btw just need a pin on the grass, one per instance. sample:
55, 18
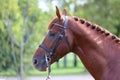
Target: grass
8, 73
60, 71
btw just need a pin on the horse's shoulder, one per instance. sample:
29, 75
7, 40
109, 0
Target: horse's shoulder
112, 71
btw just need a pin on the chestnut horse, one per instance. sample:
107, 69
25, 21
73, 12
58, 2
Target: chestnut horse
98, 49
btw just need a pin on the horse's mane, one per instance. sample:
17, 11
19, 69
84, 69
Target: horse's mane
98, 28
91, 25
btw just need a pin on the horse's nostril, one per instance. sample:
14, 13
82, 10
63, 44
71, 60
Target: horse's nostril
35, 61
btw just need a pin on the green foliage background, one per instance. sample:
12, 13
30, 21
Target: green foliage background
23, 26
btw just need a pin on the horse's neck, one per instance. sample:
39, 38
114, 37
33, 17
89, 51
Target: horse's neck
93, 48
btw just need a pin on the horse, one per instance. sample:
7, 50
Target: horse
98, 49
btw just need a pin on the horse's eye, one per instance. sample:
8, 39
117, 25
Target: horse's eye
52, 34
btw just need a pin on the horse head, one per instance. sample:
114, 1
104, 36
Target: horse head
57, 43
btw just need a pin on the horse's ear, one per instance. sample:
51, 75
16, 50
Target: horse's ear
58, 13
64, 12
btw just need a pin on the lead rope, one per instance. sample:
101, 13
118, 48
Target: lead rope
48, 60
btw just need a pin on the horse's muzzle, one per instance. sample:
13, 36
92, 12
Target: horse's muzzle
39, 64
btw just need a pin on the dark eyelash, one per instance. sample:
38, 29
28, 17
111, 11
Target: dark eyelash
52, 34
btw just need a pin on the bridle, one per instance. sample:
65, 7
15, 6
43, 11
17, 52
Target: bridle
50, 52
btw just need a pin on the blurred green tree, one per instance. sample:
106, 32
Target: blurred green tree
20, 28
